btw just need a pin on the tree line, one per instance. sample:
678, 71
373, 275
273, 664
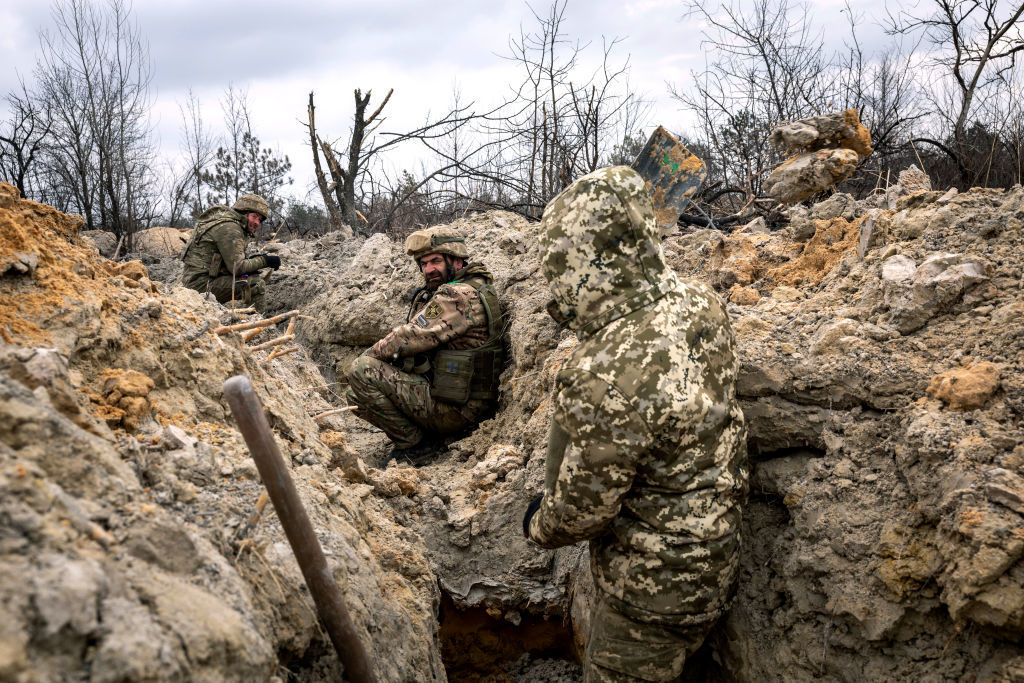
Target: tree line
944, 93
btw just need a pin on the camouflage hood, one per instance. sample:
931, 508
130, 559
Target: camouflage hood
601, 251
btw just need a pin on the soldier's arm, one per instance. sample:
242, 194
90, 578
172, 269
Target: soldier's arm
231, 244
603, 437
450, 313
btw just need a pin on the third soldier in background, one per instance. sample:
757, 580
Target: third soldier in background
646, 454
438, 373
215, 260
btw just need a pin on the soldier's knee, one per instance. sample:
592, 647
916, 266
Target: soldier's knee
362, 374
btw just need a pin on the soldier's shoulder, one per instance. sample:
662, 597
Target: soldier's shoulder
456, 290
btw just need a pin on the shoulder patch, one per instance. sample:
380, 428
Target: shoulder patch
433, 310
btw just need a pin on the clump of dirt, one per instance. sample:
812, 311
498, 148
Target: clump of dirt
124, 399
967, 388
833, 239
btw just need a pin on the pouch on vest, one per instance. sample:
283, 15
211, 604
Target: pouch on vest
453, 374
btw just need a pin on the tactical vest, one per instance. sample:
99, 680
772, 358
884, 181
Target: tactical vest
460, 375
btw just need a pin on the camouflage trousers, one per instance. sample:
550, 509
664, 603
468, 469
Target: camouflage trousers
248, 292
622, 649
400, 403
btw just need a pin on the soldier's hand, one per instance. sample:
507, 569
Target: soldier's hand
272, 260
531, 510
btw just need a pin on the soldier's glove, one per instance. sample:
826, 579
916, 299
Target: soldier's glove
272, 260
531, 510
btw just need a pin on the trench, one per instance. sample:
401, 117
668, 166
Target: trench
477, 646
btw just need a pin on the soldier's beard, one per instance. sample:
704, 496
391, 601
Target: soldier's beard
435, 279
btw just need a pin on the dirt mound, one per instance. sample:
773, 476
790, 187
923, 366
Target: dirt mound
882, 357
129, 544
869, 494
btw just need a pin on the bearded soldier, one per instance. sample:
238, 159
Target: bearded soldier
215, 259
438, 373
646, 455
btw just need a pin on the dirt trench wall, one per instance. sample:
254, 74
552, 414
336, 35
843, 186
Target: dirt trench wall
128, 550
881, 379
881, 362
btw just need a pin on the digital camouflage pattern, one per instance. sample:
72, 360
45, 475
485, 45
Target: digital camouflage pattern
623, 649
647, 456
220, 235
399, 402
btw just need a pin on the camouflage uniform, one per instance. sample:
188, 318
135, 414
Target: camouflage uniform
647, 454
400, 401
216, 255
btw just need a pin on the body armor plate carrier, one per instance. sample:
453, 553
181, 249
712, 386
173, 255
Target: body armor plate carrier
460, 375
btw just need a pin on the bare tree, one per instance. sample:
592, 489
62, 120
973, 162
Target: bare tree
23, 143
770, 67
94, 78
353, 185
975, 42
198, 148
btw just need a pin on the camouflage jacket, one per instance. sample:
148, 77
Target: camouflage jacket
219, 235
647, 452
453, 317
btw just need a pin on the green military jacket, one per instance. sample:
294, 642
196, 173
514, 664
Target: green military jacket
217, 248
647, 453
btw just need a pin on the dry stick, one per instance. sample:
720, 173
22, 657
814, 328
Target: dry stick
246, 336
253, 325
117, 250
290, 332
243, 311
333, 411
278, 352
250, 524
273, 342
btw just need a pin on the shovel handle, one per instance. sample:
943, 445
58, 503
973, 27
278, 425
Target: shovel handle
330, 604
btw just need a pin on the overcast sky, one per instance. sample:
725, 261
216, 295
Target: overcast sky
280, 51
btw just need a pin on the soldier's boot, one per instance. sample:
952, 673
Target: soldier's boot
377, 390
258, 291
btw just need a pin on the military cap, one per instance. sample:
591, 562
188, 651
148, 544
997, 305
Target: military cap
437, 240
252, 202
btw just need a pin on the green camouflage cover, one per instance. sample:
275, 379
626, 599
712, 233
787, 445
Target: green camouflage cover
648, 452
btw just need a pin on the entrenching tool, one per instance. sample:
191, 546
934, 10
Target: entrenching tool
330, 604
672, 175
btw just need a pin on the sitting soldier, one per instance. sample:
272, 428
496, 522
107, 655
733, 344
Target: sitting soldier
215, 259
438, 373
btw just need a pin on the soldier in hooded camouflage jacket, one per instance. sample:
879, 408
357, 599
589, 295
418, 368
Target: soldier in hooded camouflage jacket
215, 259
646, 455
398, 384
